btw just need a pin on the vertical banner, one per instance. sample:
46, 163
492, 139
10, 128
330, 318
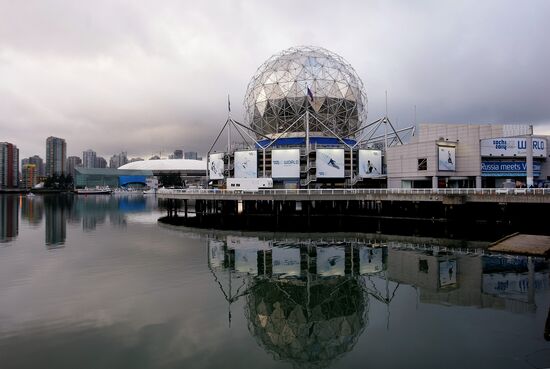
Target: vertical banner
447, 157
216, 166
246, 164
330, 163
370, 163
285, 163
447, 273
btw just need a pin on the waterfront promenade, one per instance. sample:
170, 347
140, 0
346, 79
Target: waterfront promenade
443, 195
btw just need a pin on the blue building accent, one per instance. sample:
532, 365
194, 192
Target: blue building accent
301, 141
126, 180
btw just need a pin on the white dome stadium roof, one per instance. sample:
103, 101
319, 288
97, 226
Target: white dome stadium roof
166, 165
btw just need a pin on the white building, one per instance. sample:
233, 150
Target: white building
466, 155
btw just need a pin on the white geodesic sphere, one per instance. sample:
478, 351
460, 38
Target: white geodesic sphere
277, 95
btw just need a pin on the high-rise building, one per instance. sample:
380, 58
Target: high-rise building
36, 160
29, 176
191, 155
56, 156
178, 154
9, 165
118, 160
89, 158
73, 162
100, 162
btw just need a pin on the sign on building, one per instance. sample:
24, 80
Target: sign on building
330, 163
370, 163
246, 164
216, 166
285, 163
512, 146
508, 169
446, 158
286, 261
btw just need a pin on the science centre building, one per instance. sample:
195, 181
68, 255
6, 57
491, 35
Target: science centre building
305, 109
306, 127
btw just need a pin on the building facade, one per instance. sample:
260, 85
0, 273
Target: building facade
466, 156
38, 162
29, 176
72, 163
100, 162
118, 160
89, 158
56, 156
9, 165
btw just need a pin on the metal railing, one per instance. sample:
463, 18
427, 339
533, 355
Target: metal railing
372, 191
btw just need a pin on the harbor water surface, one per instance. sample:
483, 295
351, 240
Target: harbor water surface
97, 282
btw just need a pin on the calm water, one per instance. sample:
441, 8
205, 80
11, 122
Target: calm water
95, 282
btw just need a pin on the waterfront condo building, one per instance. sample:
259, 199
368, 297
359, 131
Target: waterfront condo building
56, 156
9, 165
89, 158
29, 176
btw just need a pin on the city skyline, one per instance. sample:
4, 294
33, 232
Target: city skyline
144, 78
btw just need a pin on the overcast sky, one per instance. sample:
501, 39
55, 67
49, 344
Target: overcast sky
144, 76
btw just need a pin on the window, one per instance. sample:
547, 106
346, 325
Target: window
422, 164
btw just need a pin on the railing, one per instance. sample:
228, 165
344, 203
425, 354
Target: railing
371, 191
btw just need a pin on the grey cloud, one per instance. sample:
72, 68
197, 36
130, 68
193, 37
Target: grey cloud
144, 77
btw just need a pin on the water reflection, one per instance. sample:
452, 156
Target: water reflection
307, 302
9, 215
91, 212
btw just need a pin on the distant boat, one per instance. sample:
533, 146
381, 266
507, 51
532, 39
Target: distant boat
93, 191
30, 194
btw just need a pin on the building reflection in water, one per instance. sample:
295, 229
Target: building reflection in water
56, 209
32, 210
9, 217
469, 278
308, 302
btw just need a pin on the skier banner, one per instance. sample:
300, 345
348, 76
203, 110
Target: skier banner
370, 163
330, 163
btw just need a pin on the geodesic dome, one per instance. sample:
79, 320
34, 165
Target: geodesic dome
278, 95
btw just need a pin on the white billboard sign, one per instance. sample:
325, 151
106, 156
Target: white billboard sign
285, 163
447, 273
330, 163
216, 253
286, 261
447, 158
331, 261
371, 260
370, 163
513, 146
246, 164
216, 166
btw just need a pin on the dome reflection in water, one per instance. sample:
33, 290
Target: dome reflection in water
306, 303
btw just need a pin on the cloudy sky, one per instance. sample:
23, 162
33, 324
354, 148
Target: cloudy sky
143, 76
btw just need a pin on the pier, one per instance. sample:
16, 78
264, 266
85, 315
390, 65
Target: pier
486, 214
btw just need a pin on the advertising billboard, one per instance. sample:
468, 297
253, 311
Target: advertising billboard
331, 261
512, 146
246, 164
508, 169
286, 261
447, 273
216, 166
371, 260
285, 163
370, 163
216, 253
446, 158
330, 163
